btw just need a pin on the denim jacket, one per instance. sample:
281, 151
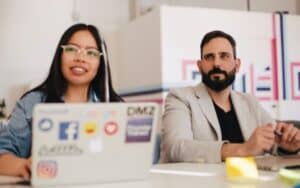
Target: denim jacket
16, 136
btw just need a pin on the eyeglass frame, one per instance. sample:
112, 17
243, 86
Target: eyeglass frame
81, 49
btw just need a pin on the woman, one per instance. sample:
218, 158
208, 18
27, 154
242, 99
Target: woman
77, 74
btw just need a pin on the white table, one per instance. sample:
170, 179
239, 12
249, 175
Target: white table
188, 175
183, 175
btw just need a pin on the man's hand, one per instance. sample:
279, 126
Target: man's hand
288, 136
261, 140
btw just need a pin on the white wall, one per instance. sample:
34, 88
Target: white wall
227, 4
274, 5
30, 31
142, 6
255, 5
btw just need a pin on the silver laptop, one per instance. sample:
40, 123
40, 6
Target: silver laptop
274, 163
92, 143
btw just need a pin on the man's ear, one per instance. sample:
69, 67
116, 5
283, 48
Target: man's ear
237, 64
199, 62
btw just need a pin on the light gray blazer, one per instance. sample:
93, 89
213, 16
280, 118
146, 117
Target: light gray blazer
190, 126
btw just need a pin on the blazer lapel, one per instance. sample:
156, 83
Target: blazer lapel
242, 112
208, 108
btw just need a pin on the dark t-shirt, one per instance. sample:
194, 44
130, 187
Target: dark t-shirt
230, 127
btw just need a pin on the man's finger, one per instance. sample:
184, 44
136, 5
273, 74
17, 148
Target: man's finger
279, 127
292, 134
297, 137
267, 144
269, 136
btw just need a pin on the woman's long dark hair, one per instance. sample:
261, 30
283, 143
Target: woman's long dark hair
55, 84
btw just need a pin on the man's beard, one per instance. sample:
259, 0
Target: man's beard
218, 84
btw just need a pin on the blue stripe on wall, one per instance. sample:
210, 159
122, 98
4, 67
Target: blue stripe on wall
263, 88
298, 81
283, 63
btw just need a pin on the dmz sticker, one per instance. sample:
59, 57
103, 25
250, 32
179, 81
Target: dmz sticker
69, 130
47, 169
45, 124
139, 124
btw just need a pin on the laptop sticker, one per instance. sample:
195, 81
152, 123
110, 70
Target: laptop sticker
68, 130
93, 114
60, 150
90, 128
45, 124
111, 128
139, 124
95, 145
47, 169
139, 129
109, 115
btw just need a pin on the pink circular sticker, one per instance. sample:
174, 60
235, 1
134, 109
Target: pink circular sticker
111, 128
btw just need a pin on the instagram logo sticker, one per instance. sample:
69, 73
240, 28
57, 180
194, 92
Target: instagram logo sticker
47, 169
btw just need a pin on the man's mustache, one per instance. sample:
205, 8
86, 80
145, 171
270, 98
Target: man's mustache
216, 70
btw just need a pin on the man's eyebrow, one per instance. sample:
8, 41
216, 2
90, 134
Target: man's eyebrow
208, 54
224, 52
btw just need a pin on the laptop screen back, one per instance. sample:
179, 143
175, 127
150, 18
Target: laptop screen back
92, 143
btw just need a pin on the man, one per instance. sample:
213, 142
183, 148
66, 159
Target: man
210, 121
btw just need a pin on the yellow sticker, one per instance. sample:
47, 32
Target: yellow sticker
90, 128
241, 168
289, 176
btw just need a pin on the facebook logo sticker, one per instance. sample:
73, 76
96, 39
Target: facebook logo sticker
68, 130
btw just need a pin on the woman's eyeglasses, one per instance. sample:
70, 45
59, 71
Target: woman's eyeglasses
90, 53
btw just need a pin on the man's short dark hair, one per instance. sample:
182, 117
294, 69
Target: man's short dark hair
218, 34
